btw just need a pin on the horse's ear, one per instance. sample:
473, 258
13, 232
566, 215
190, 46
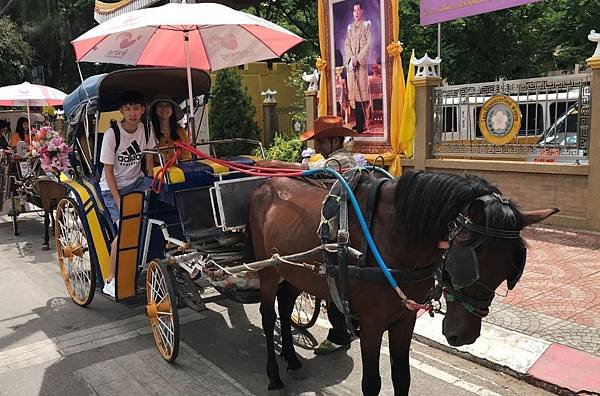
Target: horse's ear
475, 211
535, 216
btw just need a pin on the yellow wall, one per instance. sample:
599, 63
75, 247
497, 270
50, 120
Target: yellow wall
257, 77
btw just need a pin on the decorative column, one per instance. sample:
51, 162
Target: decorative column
310, 96
269, 115
593, 203
426, 79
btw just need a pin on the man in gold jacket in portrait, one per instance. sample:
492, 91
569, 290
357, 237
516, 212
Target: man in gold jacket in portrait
358, 50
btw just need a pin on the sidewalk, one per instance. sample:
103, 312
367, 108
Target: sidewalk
546, 330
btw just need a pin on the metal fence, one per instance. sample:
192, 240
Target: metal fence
555, 119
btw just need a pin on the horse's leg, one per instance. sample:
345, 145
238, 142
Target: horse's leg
286, 296
52, 222
370, 345
269, 279
46, 244
400, 335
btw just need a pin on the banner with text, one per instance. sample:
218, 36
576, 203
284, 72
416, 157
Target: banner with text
434, 11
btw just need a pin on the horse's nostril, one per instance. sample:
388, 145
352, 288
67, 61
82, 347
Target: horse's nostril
453, 340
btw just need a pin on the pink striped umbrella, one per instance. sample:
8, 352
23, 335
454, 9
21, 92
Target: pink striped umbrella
204, 36
27, 94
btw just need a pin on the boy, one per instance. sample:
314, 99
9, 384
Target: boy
122, 172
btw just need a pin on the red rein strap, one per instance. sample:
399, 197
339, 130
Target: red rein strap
243, 168
158, 179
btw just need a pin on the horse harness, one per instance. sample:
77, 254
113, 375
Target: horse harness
334, 226
451, 273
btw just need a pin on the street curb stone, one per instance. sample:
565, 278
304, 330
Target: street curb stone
557, 368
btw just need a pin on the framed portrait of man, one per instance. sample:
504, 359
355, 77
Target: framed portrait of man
359, 67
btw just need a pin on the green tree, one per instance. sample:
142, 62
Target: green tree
49, 26
15, 54
231, 114
521, 42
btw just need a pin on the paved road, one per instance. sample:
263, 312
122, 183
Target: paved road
50, 346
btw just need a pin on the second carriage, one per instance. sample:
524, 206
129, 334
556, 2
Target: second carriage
172, 243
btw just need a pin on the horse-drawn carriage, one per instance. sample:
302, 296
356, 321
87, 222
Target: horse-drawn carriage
174, 241
168, 240
25, 188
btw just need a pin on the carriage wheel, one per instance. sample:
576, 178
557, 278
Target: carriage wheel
162, 309
306, 311
72, 252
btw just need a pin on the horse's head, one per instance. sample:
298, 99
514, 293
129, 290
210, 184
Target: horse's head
484, 249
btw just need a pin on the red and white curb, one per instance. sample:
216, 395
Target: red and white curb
552, 365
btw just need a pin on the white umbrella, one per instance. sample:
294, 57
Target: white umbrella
27, 94
205, 36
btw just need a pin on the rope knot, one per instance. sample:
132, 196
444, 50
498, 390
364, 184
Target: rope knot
394, 49
321, 64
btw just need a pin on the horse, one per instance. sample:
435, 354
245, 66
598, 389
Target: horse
410, 227
47, 195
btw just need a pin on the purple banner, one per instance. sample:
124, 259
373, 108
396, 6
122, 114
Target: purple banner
434, 11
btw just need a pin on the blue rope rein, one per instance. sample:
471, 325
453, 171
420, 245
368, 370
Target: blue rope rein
408, 303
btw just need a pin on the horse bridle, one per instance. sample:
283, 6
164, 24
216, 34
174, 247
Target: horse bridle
460, 265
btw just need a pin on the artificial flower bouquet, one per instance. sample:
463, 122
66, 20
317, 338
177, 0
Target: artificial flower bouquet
53, 152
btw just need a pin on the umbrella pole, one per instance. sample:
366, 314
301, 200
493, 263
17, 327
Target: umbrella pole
192, 124
28, 121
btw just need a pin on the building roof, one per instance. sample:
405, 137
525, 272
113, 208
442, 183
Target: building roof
103, 10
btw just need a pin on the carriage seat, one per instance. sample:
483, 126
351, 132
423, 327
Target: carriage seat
196, 174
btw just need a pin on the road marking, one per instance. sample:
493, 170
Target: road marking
434, 371
141, 373
58, 348
451, 379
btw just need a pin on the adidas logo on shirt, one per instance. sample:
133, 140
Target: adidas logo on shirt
131, 156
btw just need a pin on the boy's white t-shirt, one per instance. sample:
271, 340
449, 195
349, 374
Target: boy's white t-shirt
127, 159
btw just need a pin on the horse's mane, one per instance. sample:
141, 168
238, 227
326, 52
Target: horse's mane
425, 202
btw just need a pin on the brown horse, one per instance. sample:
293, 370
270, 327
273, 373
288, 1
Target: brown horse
48, 194
410, 229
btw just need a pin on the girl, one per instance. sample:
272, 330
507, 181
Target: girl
164, 114
21, 133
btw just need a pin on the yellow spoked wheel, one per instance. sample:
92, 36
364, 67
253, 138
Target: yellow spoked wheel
162, 310
306, 311
72, 253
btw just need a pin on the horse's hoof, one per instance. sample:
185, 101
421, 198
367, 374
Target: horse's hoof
45, 247
278, 392
297, 374
276, 386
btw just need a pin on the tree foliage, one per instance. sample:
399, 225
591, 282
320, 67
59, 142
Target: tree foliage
524, 41
15, 54
285, 148
49, 26
520, 42
231, 114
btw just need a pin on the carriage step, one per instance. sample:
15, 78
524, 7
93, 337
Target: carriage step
204, 235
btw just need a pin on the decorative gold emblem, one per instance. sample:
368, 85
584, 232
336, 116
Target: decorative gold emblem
500, 119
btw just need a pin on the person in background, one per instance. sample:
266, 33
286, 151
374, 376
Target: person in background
164, 116
4, 131
328, 135
21, 134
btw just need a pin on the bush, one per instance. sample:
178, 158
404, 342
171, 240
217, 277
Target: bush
231, 114
285, 149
